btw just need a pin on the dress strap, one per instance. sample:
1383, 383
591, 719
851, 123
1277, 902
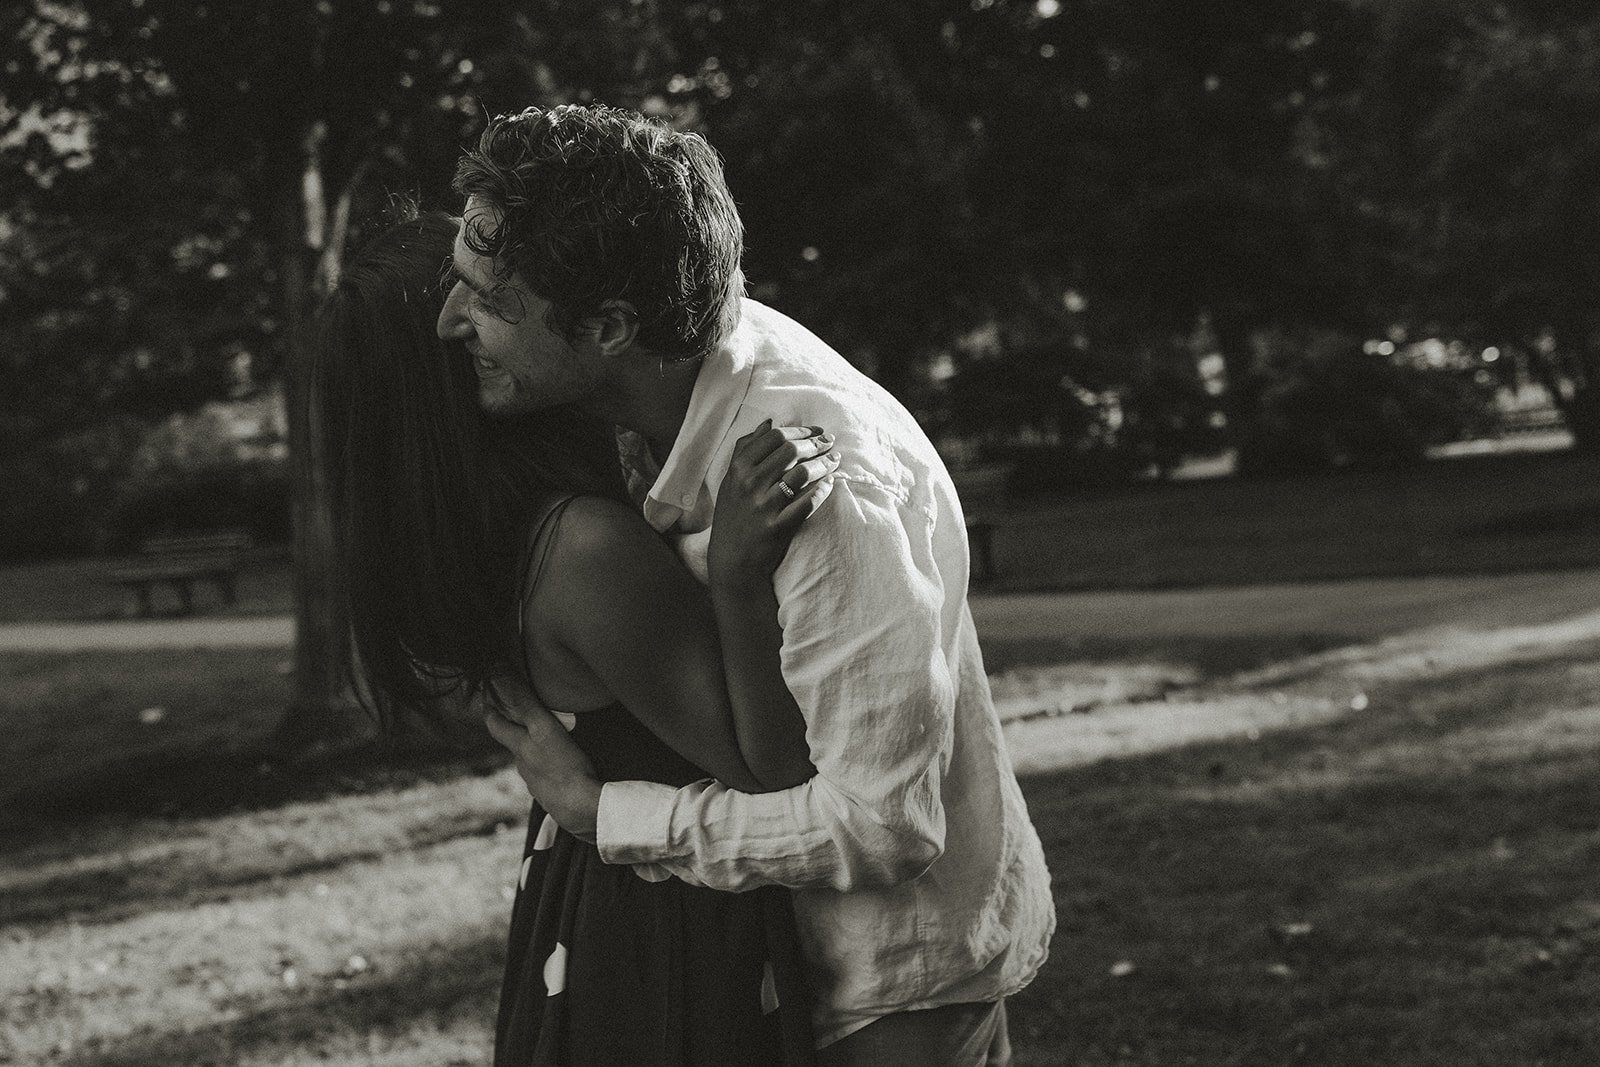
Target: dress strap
530, 566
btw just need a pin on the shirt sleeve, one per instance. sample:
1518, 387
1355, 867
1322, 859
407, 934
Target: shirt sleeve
861, 603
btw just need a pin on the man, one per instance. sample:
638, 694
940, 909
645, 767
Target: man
598, 265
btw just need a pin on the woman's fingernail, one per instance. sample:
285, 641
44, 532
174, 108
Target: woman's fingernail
833, 457
825, 438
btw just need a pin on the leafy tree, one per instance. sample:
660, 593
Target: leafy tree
1176, 163
849, 168
250, 135
1089, 178
910, 171
1490, 116
204, 166
1324, 401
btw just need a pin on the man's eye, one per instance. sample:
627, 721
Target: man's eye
496, 298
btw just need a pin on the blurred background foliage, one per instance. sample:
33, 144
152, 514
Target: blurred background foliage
1088, 237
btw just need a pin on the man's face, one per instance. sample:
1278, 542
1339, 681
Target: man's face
522, 364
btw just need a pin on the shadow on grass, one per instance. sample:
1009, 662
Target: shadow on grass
1467, 515
1579, 518
196, 784
1313, 898
460, 981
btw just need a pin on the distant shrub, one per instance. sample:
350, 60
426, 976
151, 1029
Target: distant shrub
1067, 419
40, 514
1318, 402
224, 465
53, 491
1027, 413
255, 498
1167, 417
1047, 468
1582, 417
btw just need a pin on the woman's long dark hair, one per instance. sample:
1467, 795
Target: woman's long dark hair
431, 496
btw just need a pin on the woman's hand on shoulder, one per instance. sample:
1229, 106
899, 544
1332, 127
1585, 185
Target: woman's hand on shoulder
771, 487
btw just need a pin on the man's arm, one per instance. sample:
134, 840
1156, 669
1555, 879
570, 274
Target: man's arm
861, 602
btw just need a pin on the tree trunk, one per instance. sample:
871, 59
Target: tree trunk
323, 708
1578, 366
1582, 411
1238, 399
1582, 416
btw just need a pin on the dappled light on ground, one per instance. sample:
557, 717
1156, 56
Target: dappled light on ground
1410, 883
1265, 849
1084, 713
66, 875
318, 922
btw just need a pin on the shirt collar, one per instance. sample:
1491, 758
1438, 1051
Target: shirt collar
719, 392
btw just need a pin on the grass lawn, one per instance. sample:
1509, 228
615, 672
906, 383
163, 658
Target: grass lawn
175, 733
74, 719
1469, 514
1536, 511
1410, 884
1414, 885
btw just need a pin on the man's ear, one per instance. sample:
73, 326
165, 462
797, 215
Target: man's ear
616, 328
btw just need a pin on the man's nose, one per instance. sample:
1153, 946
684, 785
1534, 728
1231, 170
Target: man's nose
454, 324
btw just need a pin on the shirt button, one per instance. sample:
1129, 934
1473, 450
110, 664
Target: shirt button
688, 499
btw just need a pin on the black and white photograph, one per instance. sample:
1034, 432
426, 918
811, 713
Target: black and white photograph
799, 533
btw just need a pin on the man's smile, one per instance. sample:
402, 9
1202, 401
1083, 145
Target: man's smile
484, 364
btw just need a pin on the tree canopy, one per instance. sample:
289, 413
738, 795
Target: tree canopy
1490, 123
973, 199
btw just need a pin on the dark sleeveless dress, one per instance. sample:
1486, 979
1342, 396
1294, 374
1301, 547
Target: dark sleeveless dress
613, 965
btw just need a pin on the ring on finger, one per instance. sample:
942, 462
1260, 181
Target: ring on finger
784, 487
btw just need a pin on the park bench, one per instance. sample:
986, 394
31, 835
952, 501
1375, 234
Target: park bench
181, 561
982, 491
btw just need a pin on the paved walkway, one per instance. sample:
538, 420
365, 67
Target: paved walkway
270, 631
1359, 610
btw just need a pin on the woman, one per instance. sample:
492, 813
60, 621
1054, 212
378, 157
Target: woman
470, 546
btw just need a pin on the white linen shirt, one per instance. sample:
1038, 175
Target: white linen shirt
918, 878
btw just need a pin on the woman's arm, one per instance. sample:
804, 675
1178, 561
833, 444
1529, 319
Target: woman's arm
767, 722
773, 484
615, 598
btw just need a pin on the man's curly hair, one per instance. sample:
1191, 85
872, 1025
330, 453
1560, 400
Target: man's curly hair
600, 204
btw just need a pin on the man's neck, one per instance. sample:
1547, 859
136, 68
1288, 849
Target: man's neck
652, 399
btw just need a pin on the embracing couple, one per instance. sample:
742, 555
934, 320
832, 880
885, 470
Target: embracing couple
712, 581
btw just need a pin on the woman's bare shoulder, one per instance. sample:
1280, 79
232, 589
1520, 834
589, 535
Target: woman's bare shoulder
600, 552
597, 531
609, 580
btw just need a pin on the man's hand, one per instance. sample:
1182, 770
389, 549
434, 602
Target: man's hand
556, 771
